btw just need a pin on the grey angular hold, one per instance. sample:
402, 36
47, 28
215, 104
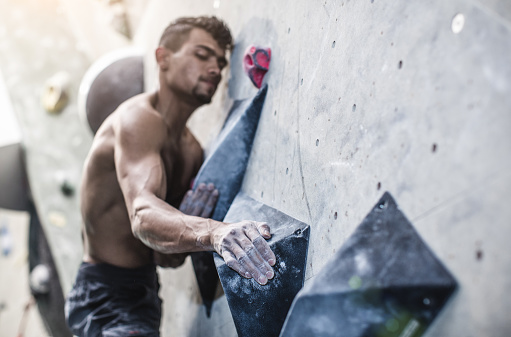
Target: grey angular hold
384, 281
261, 310
225, 167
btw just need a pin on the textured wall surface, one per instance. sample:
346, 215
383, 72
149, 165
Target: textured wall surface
364, 97
368, 96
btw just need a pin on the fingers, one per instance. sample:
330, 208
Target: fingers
260, 243
185, 204
249, 254
232, 262
264, 229
210, 203
200, 202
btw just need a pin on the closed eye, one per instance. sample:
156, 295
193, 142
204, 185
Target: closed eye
202, 56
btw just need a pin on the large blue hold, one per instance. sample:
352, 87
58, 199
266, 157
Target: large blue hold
225, 167
226, 164
383, 282
261, 310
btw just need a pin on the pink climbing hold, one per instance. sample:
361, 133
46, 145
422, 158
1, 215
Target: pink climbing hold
256, 63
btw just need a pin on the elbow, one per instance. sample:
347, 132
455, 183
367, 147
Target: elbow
144, 226
138, 221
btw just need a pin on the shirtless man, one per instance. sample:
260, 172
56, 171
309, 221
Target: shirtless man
138, 171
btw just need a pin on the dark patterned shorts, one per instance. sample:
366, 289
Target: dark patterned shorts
111, 301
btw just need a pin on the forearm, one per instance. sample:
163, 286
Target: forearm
167, 230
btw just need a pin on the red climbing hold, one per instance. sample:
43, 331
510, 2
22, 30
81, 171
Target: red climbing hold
256, 63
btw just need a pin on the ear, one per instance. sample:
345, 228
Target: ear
162, 58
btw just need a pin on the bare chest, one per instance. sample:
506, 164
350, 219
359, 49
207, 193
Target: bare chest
181, 166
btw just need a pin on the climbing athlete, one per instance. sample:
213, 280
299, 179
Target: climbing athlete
136, 209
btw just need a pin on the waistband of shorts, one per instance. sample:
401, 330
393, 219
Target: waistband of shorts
108, 273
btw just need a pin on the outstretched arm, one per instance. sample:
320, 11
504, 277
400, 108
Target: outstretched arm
138, 143
200, 202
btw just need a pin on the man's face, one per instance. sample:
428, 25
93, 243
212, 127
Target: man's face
194, 70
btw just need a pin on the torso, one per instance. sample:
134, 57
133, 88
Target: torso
108, 237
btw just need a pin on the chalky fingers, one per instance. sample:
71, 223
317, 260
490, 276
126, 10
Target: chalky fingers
232, 262
260, 243
249, 258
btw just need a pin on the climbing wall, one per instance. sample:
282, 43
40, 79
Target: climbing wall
409, 97
364, 97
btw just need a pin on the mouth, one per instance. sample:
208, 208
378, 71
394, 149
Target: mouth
213, 82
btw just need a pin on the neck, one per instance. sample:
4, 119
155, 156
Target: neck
174, 109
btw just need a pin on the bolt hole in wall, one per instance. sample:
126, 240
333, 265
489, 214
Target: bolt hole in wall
479, 255
433, 148
400, 65
354, 107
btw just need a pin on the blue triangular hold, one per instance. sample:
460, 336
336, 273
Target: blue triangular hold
225, 167
383, 282
261, 310
226, 164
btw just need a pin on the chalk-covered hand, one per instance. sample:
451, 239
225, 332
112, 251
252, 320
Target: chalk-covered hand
244, 249
200, 202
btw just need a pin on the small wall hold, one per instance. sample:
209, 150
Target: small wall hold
256, 64
119, 19
458, 22
67, 189
6, 241
39, 279
57, 219
55, 93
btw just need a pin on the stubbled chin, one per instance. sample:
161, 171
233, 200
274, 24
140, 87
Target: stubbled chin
204, 92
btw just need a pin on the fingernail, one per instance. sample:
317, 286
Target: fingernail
211, 187
247, 274
262, 280
271, 262
267, 233
269, 275
215, 192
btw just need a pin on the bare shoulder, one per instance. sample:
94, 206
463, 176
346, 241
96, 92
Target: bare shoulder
137, 119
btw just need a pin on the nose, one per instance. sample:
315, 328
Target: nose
214, 69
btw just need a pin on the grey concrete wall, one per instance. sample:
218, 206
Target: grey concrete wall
372, 96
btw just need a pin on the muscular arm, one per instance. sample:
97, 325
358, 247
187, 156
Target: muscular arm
139, 140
